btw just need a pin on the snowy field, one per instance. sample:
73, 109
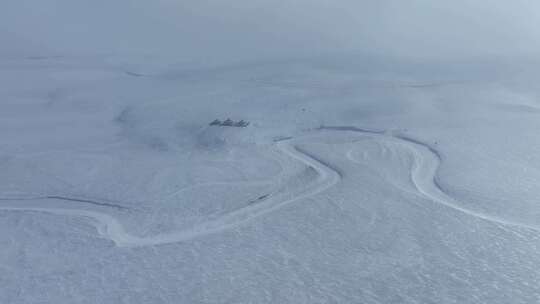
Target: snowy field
302, 152
353, 183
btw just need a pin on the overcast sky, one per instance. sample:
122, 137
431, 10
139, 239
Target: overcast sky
266, 28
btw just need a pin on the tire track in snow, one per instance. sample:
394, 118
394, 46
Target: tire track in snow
110, 228
67, 198
423, 175
427, 161
231, 183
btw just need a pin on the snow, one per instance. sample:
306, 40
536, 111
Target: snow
358, 180
346, 187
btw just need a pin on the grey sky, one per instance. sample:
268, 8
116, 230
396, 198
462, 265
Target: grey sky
253, 28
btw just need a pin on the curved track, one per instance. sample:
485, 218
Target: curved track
423, 176
110, 228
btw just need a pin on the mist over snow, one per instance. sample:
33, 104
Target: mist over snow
287, 151
217, 30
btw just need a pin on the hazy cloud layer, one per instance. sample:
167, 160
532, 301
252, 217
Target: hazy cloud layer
266, 28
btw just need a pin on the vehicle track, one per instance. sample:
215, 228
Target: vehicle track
69, 199
427, 161
110, 228
423, 176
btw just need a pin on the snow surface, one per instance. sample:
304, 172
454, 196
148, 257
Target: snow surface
355, 182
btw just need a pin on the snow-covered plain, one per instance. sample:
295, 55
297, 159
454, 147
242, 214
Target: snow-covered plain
355, 182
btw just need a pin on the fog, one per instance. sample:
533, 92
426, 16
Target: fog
255, 29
